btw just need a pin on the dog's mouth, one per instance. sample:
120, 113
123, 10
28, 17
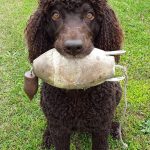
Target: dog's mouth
74, 48
77, 54
74, 42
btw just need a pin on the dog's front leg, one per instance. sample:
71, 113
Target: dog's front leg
61, 138
100, 141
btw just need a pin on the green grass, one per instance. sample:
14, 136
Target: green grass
22, 122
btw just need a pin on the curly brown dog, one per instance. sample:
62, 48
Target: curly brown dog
74, 27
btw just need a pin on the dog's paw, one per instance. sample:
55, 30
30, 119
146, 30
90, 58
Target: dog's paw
47, 142
115, 130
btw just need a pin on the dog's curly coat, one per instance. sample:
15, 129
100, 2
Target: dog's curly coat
89, 110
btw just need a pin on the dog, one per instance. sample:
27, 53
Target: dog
74, 27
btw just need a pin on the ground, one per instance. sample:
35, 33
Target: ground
22, 122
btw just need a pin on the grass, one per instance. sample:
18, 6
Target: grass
22, 122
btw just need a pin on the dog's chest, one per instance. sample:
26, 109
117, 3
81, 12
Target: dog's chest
74, 105
78, 109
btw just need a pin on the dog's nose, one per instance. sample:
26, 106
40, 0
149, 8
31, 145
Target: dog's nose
73, 46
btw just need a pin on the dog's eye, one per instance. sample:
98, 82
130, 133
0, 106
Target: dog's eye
56, 16
90, 16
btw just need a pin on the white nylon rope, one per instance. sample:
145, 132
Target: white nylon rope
125, 146
124, 69
125, 78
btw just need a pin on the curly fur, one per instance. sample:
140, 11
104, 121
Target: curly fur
89, 110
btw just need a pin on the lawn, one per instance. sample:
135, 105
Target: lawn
22, 122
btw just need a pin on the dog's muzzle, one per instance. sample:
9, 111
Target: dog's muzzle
75, 41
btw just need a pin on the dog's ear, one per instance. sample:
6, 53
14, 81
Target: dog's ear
110, 36
36, 36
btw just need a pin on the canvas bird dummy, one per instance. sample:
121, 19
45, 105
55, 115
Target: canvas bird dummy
72, 73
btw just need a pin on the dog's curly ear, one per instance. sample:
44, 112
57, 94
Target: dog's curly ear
110, 36
36, 36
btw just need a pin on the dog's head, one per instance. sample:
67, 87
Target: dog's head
73, 27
